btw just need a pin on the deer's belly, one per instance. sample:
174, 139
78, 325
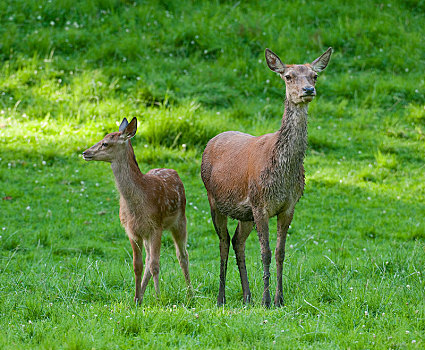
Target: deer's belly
245, 213
273, 201
240, 211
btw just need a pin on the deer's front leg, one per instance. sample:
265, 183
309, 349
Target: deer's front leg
283, 222
262, 221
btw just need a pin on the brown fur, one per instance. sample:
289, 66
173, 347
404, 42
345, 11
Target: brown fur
149, 204
254, 178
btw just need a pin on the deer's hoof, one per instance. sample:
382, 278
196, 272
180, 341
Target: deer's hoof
221, 300
278, 301
247, 299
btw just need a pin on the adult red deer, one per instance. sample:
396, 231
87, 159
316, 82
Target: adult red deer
149, 204
252, 179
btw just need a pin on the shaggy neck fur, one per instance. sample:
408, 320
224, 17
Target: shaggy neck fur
128, 176
291, 143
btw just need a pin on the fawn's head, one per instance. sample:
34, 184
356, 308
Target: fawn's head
300, 79
113, 146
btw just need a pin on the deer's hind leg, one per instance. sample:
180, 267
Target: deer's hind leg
179, 233
238, 241
220, 224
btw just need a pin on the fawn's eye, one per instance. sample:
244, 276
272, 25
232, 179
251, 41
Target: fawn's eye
288, 77
315, 77
105, 144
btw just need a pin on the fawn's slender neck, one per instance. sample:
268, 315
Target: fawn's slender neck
291, 144
128, 176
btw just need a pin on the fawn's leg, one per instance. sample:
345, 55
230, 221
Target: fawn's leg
180, 239
155, 248
136, 244
147, 274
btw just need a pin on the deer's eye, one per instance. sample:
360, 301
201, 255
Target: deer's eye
105, 144
288, 77
315, 77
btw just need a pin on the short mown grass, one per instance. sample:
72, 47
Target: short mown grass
71, 70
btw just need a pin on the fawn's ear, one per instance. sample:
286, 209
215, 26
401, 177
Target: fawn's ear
123, 125
274, 62
320, 63
129, 130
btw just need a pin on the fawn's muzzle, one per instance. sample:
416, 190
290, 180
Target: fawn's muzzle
87, 156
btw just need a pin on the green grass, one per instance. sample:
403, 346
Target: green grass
71, 70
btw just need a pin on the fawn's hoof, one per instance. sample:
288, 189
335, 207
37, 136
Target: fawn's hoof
190, 292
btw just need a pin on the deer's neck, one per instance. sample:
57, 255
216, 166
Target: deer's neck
128, 177
291, 144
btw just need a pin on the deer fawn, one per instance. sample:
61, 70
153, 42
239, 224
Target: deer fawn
149, 204
252, 179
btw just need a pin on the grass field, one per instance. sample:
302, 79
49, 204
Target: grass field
71, 70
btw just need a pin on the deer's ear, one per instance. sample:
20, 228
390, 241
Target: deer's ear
130, 129
320, 63
123, 125
274, 62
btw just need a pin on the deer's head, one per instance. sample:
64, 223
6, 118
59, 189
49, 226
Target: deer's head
300, 79
113, 145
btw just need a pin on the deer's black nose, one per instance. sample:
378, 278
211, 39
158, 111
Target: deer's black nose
308, 90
